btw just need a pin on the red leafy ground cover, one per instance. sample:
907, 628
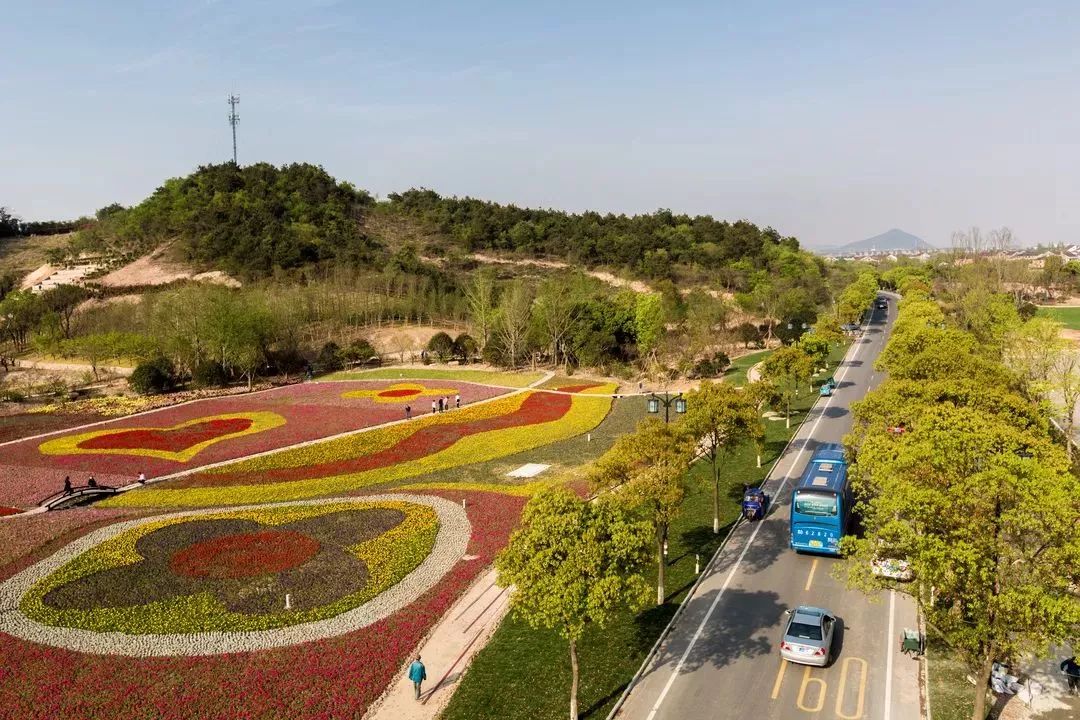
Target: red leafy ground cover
311, 410
336, 678
537, 408
9, 511
172, 440
245, 555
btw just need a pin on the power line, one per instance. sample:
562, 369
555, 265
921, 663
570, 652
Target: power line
233, 119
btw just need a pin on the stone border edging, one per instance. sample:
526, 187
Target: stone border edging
451, 542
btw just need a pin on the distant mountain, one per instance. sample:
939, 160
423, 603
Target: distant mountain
890, 241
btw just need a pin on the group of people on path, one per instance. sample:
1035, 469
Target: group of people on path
91, 482
437, 406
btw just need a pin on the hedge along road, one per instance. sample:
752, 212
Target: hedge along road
722, 659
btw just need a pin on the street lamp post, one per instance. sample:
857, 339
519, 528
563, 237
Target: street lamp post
655, 401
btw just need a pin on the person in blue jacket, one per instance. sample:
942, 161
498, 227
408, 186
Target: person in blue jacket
418, 674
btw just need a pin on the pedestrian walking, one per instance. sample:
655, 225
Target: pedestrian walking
67, 485
457, 400
433, 405
408, 412
442, 404
1071, 668
418, 674
91, 482
142, 478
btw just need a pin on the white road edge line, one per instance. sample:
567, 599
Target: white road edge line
731, 573
887, 713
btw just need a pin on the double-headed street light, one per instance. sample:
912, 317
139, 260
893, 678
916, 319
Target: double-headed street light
655, 401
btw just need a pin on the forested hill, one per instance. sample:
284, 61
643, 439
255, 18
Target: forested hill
246, 220
254, 220
647, 245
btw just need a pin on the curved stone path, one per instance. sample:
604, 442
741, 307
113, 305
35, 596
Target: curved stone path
450, 545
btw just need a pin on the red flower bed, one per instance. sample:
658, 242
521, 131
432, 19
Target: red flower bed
537, 408
399, 392
9, 511
311, 411
172, 440
38, 681
245, 555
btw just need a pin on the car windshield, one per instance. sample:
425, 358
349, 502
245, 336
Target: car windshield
811, 503
804, 631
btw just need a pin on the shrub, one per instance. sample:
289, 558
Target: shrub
329, 358
465, 347
748, 334
441, 346
210, 374
152, 377
709, 367
360, 351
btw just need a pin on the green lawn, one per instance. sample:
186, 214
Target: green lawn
485, 377
524, 673
952, 697
1067, 316
736, 374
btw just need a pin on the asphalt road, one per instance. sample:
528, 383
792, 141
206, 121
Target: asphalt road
722, 659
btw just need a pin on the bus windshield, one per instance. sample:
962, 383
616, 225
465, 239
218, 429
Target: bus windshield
812, 503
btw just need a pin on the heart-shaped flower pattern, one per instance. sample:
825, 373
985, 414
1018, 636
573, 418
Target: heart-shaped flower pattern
179, 443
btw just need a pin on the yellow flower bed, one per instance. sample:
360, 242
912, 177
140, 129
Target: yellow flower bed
585, 413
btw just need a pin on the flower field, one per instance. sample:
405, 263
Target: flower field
117, 612
39, 681
173, 439
502, 427
485, 377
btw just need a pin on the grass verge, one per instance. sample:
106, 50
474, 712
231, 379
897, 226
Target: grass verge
952, 697
736, 373
524, 673
1067, 316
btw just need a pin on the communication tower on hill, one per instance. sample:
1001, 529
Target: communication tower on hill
233, 119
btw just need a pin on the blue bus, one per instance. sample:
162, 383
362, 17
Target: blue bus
821, 502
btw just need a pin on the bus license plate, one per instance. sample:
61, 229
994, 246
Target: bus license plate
815, 543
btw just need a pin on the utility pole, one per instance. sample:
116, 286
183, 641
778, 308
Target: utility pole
233, 119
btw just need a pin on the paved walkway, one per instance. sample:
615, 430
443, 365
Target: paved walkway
446, 653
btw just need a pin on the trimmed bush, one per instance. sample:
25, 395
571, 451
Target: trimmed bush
152, 377
441, 346
465, 347
210, 374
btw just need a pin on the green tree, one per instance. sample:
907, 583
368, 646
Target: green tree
557, 308
573, 564
719, 419
20, 312
787, 367
64, 300
817, 348
987, 515
647, 471
649, 323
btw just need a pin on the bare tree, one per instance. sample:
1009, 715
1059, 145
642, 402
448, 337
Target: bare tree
480, 296
515, 311
1065, 378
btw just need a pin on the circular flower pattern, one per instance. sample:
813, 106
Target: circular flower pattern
402, 392
207, 582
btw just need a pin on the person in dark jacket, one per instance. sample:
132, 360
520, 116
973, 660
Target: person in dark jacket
1071, 668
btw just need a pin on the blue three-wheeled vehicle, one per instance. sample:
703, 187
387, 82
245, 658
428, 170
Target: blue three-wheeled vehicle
755, 504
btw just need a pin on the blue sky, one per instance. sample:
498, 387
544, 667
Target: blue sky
831, 121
